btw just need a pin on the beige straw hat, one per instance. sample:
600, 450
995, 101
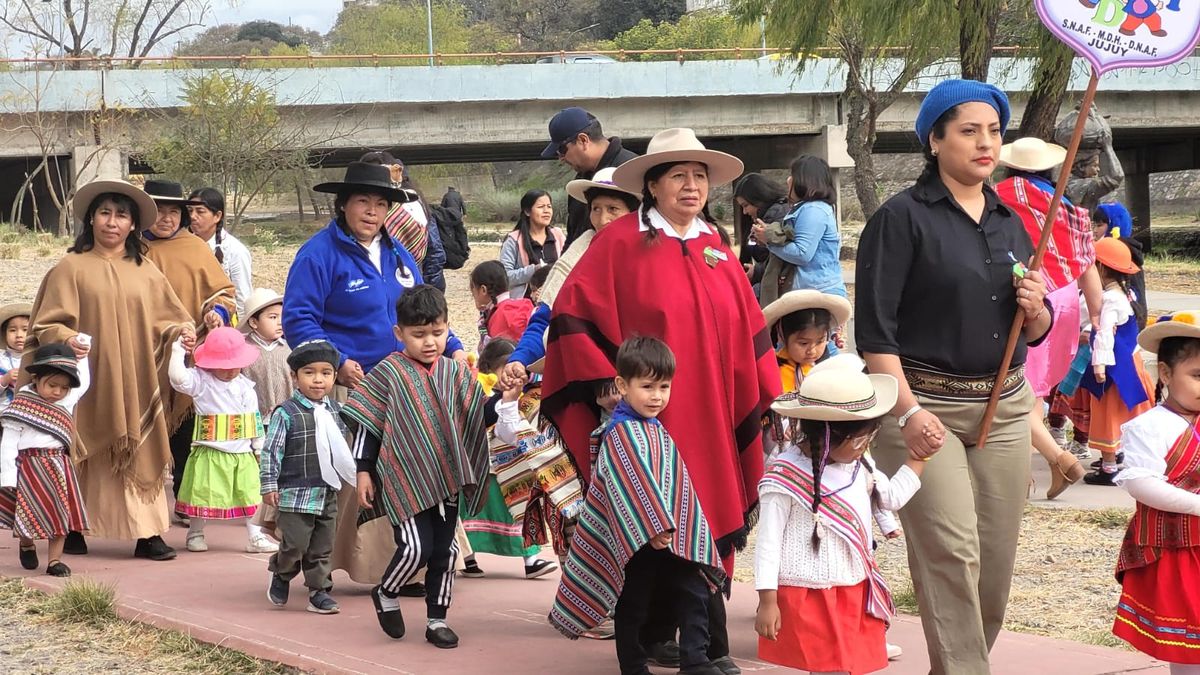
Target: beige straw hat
840, 395
1032, 154
603, 180
1178, 324
794, 301
147, 209
673, 146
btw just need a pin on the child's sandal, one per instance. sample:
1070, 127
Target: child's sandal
56, 568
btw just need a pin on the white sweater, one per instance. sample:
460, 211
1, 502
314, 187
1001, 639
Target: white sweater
784, 554
214, 397
1147, 440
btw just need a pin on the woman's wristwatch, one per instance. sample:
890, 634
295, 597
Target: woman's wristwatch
903, 421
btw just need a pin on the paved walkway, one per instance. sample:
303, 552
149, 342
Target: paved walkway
220, 597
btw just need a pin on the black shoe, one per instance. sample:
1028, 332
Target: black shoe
390, 620
726, 665
28, 556
441, 637
57, 569
663, 654
75, 544
1101, 477
539, 568
153, 548
472, 570
703, 669
1120, 460
278, 591
414, 590
320, 602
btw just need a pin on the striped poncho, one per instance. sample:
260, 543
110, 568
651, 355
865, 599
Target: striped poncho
640, 488
430, 424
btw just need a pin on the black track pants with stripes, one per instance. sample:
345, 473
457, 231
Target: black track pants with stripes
426, 540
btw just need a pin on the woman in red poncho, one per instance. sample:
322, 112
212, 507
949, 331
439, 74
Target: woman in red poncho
667, 271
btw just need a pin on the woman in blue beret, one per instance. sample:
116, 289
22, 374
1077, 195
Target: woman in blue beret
936, 293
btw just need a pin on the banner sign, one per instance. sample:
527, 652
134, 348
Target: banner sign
1124, 33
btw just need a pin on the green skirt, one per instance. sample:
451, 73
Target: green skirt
219, 485
492, 530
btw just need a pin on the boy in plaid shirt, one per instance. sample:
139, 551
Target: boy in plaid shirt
304, 463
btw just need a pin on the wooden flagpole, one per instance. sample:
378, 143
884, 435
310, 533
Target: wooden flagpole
1060, 190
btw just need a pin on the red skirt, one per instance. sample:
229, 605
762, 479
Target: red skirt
827, 630
1159, 610
46, 502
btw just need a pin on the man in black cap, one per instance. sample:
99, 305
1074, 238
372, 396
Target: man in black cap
578, 141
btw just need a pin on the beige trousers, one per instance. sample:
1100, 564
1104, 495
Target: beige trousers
962, 526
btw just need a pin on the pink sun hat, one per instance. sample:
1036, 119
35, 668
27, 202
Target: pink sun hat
225, 349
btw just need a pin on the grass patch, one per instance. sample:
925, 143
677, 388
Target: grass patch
1109, 519
1166, 262
10, 251
45, 251
905, 598
83, 601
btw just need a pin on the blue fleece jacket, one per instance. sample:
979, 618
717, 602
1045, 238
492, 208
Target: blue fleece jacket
335, 293
532, 345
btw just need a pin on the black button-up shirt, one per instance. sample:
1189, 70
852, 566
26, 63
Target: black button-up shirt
934, 286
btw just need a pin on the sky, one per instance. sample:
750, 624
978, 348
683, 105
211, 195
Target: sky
317, 15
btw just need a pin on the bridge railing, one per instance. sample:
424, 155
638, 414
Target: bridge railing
439, 58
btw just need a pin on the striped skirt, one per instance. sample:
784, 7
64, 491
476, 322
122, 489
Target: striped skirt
46, 502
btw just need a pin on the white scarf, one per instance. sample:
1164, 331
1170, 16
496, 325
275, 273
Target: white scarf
333, 453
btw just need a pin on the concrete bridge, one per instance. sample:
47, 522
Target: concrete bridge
483, 113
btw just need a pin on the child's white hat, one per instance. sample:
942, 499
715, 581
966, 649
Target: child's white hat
842, 361
794, 301
1178, 324
840, 395
260, 299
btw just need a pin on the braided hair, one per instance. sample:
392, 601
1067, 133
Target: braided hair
821, 438
214, 201
648, 202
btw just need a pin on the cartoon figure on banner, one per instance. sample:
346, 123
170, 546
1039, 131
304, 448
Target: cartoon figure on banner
1123, 33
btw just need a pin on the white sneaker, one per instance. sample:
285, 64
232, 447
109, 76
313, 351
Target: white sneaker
894, 652
1080, 450
261, 543
1059, 436
196, 543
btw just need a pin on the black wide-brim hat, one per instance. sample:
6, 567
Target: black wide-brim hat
368, 178
169, 192
56, 358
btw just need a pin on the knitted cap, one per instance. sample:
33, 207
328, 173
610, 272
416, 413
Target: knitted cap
313, 351
949, 93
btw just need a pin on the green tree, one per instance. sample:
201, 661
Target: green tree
977, 23
230, 134
698, 30
250, 39
862, 31
400, 28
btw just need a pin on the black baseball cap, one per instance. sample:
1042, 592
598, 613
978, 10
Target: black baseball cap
565, 124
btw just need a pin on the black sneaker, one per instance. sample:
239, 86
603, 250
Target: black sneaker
1100, 462
278, 591
75, 544
390, 620
472, 570
414, 590
320, 602
726, 665
1101, 477
153, 548
28, 556
58, 569
441, 637
539, 568
663, 654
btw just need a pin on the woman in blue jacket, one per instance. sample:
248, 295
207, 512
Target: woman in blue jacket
345, 280
816, 246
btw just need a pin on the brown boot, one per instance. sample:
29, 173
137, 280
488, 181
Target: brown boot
1064, 472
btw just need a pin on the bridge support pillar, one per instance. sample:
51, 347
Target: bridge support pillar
95, 162
1137, 200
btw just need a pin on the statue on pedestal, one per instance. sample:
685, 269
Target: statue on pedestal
1096, 171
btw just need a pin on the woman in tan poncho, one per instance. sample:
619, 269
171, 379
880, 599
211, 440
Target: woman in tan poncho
103, 288
203, 288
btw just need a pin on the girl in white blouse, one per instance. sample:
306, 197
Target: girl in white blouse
823, 604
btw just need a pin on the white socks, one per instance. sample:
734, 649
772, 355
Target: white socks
196, 525
253, 530
434, 624
530, 559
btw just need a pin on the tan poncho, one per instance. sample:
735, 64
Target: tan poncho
200, 284
133, 317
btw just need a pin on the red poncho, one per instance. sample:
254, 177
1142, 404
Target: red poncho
1070, 251
703, 308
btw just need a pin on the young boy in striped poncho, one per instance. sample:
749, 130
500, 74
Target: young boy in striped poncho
420, 441
641, 526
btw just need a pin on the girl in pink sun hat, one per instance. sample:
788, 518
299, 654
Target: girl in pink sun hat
220, 481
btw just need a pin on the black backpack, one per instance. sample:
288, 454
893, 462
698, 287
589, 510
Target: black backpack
454, 236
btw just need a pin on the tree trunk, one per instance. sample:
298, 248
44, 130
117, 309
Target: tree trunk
1050, 79
859, 147
976, 36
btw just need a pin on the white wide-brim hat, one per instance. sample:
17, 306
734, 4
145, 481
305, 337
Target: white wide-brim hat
843, 361
603, 180
1032, 154
674, 146
1178, 324
147, 209
259, 300
794, 301
840, 395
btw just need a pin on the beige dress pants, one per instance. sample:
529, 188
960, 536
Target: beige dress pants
962, 526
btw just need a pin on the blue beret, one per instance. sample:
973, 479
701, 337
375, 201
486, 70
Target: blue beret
950, 93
